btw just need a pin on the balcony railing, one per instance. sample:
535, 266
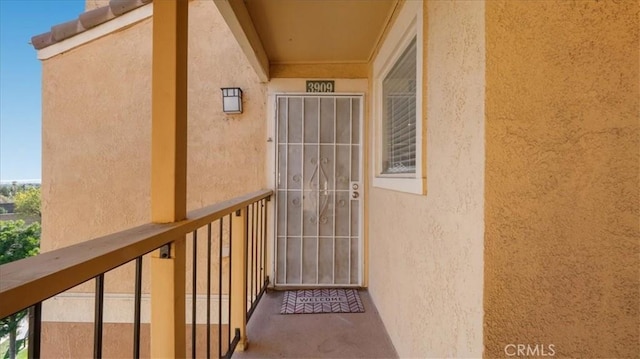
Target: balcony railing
240, 223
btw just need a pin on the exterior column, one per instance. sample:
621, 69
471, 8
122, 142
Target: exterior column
169, 174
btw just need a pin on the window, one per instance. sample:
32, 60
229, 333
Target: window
398, 144
399, 115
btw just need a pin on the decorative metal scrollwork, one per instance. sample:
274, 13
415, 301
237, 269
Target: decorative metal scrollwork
320, 182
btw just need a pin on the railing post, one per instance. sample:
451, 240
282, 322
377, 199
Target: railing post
239, 277
35, 330
168, 328
169, 174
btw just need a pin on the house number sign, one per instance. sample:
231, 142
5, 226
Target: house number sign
320, 86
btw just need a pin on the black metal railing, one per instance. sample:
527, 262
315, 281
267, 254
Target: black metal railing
224, 229
256, 244
214, 224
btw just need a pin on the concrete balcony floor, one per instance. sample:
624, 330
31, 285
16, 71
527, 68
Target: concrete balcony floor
348, 335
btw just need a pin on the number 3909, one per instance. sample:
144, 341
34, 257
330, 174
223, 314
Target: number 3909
320, 86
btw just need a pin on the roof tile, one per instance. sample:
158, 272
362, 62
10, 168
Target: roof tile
41, 41
66, 30
85, 21
119, 7
96, 17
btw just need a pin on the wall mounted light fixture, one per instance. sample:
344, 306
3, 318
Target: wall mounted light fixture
231, 100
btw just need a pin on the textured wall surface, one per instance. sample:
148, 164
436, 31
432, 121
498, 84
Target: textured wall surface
97, 131
562, 173
425, 252
226, 152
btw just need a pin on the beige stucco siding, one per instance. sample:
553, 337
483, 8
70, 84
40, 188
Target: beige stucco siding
562, 174
97, 131
226, 153
425, 252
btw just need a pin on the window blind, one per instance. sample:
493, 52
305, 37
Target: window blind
399, 111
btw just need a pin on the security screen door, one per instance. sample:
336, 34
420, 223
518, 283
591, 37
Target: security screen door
318, 190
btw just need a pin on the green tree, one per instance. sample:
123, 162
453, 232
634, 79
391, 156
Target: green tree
5, 190
28, 201
17, 241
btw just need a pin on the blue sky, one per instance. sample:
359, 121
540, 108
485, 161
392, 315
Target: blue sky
20, 76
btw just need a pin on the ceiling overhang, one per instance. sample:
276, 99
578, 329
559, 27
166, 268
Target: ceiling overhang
278, 33
237, 17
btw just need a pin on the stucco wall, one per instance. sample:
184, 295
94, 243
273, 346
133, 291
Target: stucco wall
97, 131
96, 108
562, 175
425, 252
226, 152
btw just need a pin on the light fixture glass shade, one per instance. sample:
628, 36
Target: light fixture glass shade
231, 100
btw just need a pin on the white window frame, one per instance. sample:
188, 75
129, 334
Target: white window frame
407, 26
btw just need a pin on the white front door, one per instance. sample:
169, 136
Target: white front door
319, 190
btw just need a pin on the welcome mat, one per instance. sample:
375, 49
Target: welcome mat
308, 301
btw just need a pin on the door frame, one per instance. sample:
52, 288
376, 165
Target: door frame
296, 87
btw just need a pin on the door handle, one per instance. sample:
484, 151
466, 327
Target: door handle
355, 195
